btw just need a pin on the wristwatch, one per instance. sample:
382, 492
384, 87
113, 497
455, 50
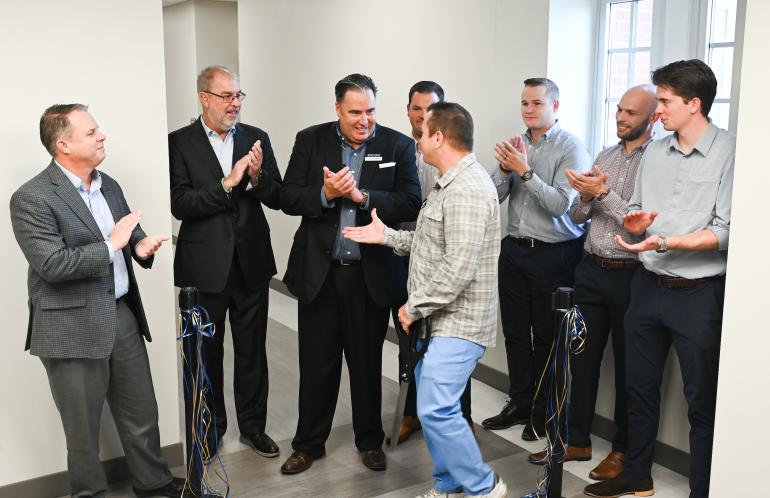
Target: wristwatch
527, 176
662, 244
362, 204
601, 196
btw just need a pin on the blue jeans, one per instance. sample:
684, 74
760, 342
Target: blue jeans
441, 377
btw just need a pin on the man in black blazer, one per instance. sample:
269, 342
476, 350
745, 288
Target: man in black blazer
338, 173
86, 320
222, 172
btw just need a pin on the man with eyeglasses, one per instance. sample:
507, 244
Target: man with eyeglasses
222, 172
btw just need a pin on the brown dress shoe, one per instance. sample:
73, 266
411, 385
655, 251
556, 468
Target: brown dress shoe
409, 425
299, 461
572, 454
373, 459
609, 468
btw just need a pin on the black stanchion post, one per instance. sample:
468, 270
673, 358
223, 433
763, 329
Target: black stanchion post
561, 301
188, 299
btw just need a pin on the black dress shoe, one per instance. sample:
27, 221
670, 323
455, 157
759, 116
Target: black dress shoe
374, 459
511, 414
528, 434
262, 444
299, 461
173, 489
620, 486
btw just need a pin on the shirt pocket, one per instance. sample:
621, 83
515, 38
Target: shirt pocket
701, 194
431, 231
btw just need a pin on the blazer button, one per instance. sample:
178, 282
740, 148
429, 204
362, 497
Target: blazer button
110, 292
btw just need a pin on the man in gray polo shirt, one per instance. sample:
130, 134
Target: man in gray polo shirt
681, 204
542, 248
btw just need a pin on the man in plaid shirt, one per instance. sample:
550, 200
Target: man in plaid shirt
452, 280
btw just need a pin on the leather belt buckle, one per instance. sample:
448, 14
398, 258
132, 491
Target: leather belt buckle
526, 242
346, 262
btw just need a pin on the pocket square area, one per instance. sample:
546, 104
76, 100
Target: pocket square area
387, 165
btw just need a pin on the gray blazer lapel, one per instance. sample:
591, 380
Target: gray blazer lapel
69, 194
113, 200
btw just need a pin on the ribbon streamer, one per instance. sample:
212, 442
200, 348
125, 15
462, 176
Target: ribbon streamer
194, 327
557, 383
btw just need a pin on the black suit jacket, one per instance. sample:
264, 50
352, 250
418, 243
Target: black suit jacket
214, 224
394, 191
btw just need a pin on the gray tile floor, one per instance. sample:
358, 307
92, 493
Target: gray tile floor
340, 473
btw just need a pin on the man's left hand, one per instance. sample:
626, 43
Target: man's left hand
651, 243
255, 164
149, 245
404, 318
512, 155
588, 185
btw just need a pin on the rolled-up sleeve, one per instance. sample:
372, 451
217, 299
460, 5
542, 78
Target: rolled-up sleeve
720, 223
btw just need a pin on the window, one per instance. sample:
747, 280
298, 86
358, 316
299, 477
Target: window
720, 46
628, 42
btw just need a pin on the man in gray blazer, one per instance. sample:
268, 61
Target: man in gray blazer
86, 318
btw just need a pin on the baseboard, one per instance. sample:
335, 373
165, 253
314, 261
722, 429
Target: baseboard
57, 484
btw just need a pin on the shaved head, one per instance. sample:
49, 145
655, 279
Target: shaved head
645, 95
636, 113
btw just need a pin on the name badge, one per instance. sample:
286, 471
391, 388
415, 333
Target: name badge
373, 157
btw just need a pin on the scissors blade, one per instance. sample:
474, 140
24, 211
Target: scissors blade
398, 415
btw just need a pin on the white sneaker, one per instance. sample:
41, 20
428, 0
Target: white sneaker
435, 493
499, 491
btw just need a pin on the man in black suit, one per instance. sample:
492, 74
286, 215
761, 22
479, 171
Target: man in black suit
222, 172
338, 173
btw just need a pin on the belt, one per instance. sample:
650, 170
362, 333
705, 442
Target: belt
530, 242
679, 282
346, 262
613, 264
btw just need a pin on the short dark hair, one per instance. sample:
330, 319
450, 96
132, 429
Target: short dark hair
454, 122
55, 123
550, 87
426, 87
355, 81
689, 79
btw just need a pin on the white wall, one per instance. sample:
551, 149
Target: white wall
293, 52
110, 58
743, 403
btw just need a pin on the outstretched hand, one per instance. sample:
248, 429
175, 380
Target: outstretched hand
651, 243
149, 245
373, 233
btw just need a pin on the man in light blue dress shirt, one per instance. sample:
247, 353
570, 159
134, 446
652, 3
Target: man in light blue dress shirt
681, 204
542, 247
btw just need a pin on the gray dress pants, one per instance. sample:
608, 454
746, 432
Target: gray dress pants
80, 387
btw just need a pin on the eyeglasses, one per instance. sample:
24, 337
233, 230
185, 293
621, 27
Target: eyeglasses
228, 98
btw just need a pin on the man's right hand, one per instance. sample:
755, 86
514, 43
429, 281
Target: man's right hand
339, 184
373, 233
239, 169
121, 232
636, 222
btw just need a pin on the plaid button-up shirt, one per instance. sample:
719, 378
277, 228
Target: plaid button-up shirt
454, 251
